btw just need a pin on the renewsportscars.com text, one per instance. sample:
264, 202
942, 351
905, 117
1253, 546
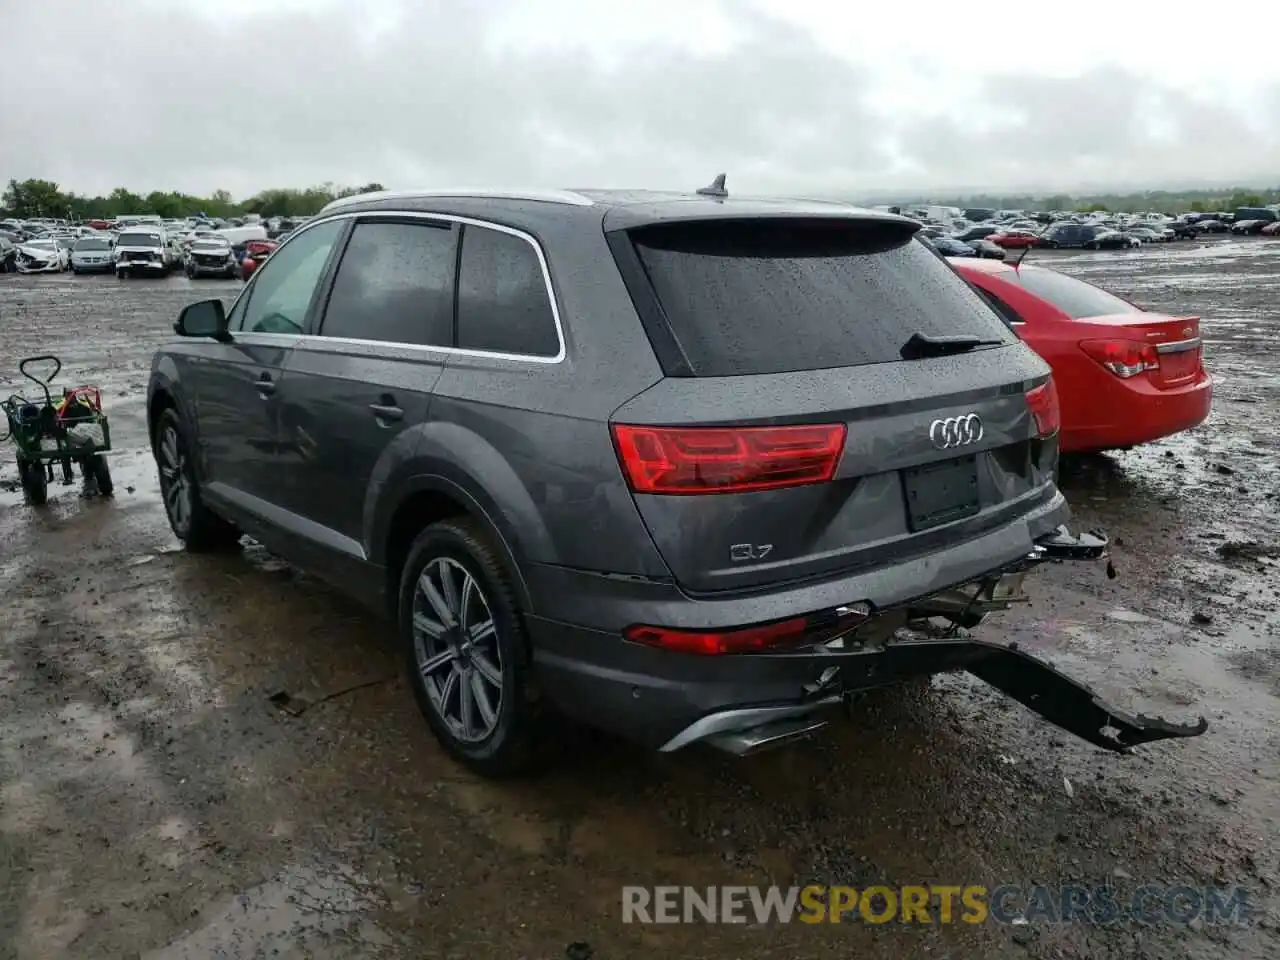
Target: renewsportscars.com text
973, 903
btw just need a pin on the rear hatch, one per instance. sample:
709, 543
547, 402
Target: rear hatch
1121, 336
836, 398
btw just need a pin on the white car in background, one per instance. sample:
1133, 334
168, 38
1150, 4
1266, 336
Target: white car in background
42, 256
146, 251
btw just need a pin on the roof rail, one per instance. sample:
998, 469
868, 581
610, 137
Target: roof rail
542, 196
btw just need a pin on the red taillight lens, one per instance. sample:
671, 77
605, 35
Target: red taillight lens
1124, 358
1043, 402
716, 642
687, 460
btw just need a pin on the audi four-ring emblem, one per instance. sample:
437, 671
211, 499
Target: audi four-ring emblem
956, 431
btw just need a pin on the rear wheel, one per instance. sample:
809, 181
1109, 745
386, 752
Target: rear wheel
192, 522
467, 652
98, 468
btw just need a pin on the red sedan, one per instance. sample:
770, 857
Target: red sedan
1015, 239
255, 251
1125, 376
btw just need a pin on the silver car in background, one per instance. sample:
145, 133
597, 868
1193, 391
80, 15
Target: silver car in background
211, 256
93, 254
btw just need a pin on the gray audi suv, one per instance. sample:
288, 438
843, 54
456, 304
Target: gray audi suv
686, 467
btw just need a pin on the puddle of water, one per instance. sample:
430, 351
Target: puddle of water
304, 912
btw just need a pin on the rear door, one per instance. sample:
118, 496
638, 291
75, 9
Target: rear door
365, 375
801, 430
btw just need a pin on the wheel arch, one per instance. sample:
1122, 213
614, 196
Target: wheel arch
427, 498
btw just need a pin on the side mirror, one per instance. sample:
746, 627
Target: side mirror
207, 318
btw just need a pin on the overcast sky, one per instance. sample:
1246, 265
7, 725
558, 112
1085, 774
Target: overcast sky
796, 96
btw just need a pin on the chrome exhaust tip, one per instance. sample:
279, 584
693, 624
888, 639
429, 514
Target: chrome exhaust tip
779, 733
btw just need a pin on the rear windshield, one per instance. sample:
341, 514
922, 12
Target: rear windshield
1073, 297
776, 296
139, 240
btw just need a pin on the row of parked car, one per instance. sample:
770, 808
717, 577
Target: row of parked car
137, 247
993, 237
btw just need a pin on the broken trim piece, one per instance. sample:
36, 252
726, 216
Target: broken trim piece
1071, 705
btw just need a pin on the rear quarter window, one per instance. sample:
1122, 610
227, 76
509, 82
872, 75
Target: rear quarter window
776, 296
503, 302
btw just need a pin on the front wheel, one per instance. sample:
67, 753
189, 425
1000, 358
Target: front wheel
199, 528
467, 652
34, 476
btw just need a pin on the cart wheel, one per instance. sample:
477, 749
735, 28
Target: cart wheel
98, 468
35, 481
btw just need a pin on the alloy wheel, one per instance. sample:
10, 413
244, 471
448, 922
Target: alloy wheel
456, 651
175, 483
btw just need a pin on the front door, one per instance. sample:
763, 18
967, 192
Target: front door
238, 382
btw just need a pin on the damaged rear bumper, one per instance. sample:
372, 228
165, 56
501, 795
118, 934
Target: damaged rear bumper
746, 702
1062, 701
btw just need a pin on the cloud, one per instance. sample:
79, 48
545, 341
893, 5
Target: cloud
183, 96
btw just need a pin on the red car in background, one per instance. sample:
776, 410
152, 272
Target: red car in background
255, 251
1015, 239
1124, 376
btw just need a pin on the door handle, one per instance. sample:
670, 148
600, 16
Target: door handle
385, 411
265, 387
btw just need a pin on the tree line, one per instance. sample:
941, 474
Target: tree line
1150, 201
44, 198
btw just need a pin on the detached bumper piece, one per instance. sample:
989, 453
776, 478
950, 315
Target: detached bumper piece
874, 653
1071, 705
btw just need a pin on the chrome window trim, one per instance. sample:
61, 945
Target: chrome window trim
561, 351
463, 193
1178, 346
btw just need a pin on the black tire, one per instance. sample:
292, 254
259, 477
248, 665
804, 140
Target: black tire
198, 527
76, 271
517, 743
35, 481
98, 468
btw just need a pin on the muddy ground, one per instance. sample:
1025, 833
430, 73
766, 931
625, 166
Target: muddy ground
154, 803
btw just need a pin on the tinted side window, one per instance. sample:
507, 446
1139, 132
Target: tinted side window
503, 304
395, 284
284, 285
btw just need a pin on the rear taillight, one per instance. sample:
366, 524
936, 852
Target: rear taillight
1124, 358
690, 460
715, 642
759, 638
1043, 403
